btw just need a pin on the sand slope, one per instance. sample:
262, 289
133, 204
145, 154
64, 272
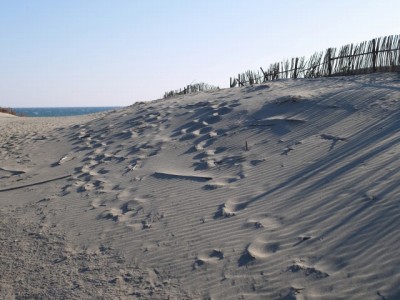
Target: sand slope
286, 190
4, 115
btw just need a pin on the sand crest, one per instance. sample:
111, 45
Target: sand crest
285, 192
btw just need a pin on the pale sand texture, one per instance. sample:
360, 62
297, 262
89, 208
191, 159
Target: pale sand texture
3, 115
285, 190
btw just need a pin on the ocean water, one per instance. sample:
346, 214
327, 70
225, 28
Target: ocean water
60, 111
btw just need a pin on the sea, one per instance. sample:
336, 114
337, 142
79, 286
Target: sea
61, 111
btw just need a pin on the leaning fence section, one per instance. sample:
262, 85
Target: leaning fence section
377, 55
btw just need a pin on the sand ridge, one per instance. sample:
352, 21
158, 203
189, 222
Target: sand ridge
286, 190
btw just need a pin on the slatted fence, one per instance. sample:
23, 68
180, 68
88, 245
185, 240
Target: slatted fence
377, 55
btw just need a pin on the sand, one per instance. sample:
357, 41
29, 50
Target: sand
284, 190
4, 115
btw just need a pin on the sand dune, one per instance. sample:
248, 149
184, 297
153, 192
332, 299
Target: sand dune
4, 115
286, 190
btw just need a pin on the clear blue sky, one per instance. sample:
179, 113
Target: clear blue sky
116, 52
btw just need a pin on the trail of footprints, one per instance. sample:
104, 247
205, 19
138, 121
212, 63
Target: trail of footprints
125, 207
266, 242
122, 205
202, 134
265, 245
13, 145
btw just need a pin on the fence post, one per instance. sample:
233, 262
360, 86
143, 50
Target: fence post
295, 68
265, 75
329, 61
374, 51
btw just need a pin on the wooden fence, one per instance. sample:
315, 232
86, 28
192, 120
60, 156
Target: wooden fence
377, 55
191, 88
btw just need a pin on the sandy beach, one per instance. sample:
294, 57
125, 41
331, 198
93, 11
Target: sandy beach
284, 190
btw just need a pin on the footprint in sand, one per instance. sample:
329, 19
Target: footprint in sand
124, 213
293, 293
256, 162
263, 221
133, 207
148, 149
205, 130
200, 146
83, 134
213, 119
113, 213
257, 250
103, 171
224, 110
204, 164
230, 208
299, 266
189, 136
126, 194
99, 185
86, 188
212, 134
208, 257
97, 202
133, 212
333, 139
220, 182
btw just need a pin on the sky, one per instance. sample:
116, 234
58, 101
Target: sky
116, 52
